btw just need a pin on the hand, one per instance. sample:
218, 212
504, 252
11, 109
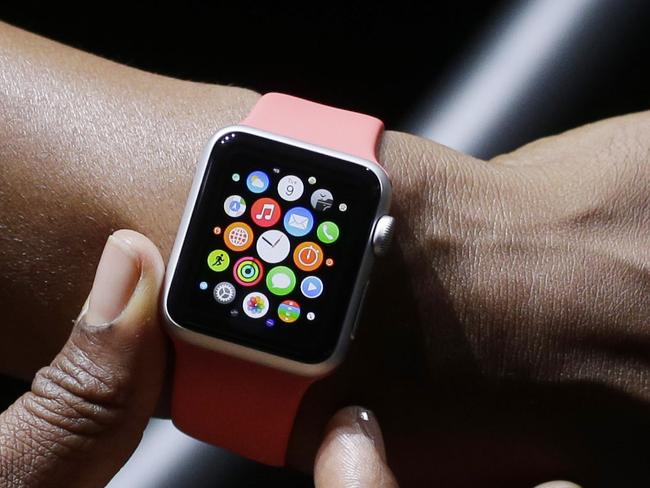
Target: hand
539, 260
86, 411
353, 454
510, 322
509, 318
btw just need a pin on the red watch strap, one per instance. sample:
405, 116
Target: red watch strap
244, 407
333, 128
241, 406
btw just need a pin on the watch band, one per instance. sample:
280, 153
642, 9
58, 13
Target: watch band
241, 406
245, 407
329, 127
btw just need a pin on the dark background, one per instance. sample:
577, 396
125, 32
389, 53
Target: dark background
370, 57
379, 58
376, 58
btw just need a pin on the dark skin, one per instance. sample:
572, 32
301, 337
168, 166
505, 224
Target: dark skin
506, 329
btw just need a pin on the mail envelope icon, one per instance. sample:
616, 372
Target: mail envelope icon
298, 221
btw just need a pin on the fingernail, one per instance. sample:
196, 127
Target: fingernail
117, 275
558, 484
368, 424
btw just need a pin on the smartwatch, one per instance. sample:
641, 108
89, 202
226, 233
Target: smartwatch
269, 269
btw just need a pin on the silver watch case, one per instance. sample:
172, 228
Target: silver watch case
254, 355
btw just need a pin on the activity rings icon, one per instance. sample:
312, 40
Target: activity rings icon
248, 271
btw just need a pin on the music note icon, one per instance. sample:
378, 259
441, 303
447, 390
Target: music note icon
265, 212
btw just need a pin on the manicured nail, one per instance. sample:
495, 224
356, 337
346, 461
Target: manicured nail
558, 484
117, 275
368, 424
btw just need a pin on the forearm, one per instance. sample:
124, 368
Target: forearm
528, 270
87, 146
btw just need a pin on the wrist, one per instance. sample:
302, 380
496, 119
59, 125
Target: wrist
278, 151
105, 133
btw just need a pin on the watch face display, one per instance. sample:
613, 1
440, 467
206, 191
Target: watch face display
274, 247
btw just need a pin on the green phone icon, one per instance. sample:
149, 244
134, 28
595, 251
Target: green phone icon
328, 232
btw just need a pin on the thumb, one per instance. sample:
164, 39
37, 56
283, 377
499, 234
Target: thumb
352, 453
558, 484
86, 411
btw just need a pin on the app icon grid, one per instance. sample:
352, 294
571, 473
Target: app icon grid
274, 223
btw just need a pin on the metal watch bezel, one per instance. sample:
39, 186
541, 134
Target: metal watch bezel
248, 353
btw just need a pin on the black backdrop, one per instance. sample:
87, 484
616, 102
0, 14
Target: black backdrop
374, 57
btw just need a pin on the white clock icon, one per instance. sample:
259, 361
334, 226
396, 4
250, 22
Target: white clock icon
273, 246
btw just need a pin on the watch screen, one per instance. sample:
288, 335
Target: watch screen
273, 247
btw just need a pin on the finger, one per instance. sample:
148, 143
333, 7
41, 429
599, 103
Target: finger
86, 411
558, 484
353, 453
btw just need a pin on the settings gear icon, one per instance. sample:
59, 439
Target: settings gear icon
224, 292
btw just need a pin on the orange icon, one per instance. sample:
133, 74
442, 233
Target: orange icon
308, 256
238, 236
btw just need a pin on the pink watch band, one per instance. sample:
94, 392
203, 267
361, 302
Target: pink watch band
241, 406
244, 407
332, 128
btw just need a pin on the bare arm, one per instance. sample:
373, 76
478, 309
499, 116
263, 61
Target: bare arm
87, 146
